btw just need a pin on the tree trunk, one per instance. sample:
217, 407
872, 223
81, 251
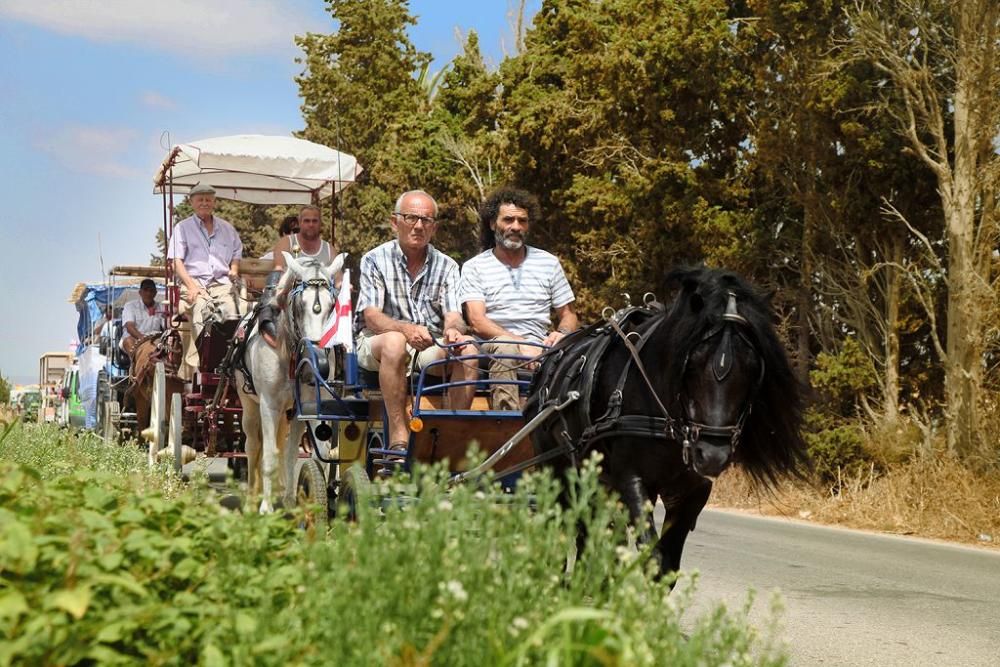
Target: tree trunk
964, 335
890, 382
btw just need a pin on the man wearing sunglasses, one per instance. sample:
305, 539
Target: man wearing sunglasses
408, 301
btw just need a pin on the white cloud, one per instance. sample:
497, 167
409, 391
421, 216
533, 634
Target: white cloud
193, 28
101, 150
154, 100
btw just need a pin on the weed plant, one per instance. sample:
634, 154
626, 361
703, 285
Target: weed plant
103, 562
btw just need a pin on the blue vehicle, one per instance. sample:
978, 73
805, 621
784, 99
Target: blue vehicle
116, 414
348, 435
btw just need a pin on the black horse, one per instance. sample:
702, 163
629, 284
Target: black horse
673, 397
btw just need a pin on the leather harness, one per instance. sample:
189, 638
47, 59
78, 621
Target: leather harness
574, 364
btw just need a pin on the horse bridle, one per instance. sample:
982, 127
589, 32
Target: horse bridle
317, 308
684, 429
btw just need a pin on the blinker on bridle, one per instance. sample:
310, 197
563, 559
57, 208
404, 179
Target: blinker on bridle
690, 430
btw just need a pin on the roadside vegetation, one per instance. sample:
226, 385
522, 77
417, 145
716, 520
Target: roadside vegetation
103, 560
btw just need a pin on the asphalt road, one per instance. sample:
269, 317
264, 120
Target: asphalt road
853, 598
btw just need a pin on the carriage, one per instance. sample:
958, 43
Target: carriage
117, 413
202, 416
348, 437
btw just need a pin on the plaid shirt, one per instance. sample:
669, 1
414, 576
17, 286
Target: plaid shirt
386, 284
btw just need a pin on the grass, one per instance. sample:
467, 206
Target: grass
930, 495
103, 560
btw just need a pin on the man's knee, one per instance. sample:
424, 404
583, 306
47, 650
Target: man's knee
389, 349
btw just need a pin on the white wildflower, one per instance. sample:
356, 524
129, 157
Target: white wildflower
457, 590
445, 505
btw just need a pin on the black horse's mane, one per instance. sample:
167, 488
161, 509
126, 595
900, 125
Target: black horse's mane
771, 445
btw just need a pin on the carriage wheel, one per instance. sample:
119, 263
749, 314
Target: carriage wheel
110, 414
355, 489
158, 412
175, 431
103, 397
311, 495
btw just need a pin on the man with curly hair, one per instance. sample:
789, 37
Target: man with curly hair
512, 291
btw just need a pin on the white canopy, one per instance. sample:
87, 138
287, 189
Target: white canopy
258, 169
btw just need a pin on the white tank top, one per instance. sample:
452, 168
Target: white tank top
323, 255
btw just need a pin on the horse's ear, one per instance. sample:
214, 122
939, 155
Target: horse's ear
336, 266
292, 264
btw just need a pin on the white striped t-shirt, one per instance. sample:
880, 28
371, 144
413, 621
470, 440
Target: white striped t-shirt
518, 299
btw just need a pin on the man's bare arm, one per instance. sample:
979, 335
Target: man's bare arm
483, 326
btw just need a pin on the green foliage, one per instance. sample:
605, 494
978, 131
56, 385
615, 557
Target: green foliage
631, 146
834, 436
100, 564
4, 390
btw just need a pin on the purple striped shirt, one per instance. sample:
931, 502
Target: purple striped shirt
206, 257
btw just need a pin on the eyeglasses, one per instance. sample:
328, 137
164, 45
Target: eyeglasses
412, 219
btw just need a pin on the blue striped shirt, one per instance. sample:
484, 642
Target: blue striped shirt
386, 284
518, 299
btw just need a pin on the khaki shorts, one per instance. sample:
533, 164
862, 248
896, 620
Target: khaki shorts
366, 360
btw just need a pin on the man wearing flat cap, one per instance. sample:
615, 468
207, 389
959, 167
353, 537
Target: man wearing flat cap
206, 252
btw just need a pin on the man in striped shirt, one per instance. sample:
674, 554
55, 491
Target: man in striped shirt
409, 306
511, 290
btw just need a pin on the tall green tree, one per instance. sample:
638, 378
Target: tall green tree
4, 390
823, 168
625, 117
358, 81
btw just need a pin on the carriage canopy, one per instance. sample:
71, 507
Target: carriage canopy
92, 299
258, 169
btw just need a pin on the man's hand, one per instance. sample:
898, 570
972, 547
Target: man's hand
234, 274
553, 338
452, 335
418, 337
192, 295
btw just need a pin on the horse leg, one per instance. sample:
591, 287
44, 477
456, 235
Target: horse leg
251, 427
679, 522
270, 418
633, 493
289, 436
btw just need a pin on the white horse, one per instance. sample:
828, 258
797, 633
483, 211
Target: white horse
310, 300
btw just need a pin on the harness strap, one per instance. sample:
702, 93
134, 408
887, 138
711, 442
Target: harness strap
639, 365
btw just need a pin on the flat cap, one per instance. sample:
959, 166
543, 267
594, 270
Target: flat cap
202, 189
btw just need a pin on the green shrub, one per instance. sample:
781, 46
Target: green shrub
99, 562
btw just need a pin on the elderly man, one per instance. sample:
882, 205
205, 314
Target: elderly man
206, 252
141, 317
409, 304
305, 244
511, 289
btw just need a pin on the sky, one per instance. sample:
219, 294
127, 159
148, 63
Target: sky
92, 94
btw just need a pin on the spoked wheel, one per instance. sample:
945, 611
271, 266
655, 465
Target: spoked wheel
310, 495
355, 489
158, 412
110, 415
175, 431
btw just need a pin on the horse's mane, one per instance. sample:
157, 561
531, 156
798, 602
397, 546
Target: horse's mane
771, 445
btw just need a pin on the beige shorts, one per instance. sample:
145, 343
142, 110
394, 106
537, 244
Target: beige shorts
366, 360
